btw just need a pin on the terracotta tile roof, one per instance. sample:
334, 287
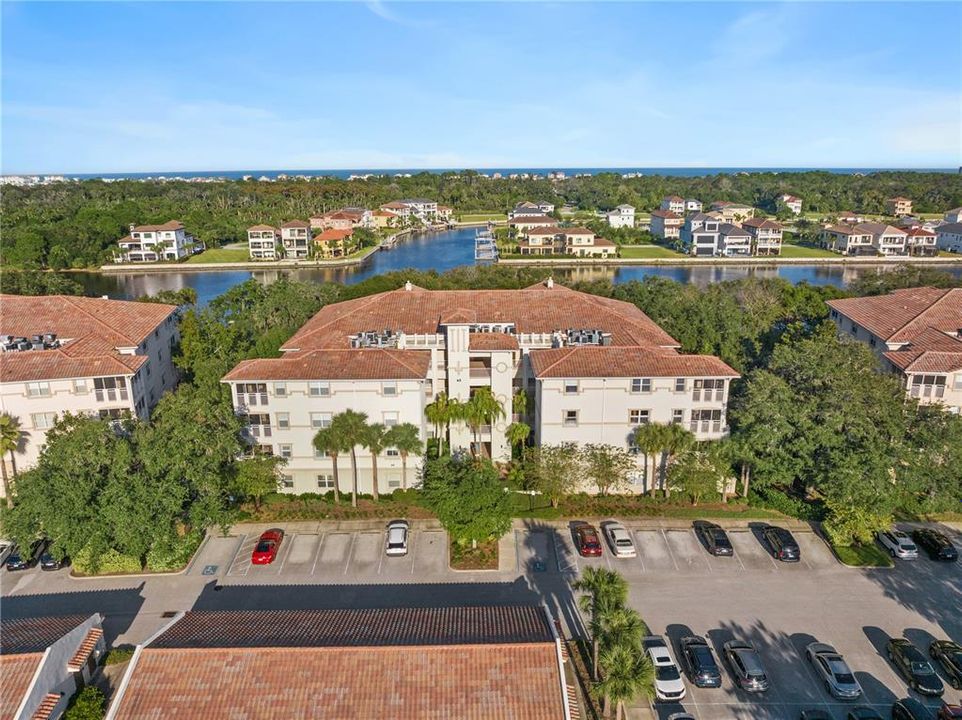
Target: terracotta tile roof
903, 315
384, 213
599, 361
492, 341
262, 228
395, 205
878, 229
57, 364
80, 657
918, 232
548, 231
537, 309
666, 214
332, 234
352, 215
603, 242
929, 350
296, 224
35, 634
169, 225
46, 707
349, 364
16, 674
761, 224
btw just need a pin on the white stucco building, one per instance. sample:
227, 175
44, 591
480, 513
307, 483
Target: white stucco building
595, 369
151, 243
621, 216
81, 355
262, 242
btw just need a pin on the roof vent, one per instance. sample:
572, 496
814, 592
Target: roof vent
549, 283
408, 286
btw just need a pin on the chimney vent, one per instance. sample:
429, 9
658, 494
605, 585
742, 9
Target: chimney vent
408, 286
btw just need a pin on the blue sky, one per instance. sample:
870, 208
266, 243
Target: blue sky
115, 87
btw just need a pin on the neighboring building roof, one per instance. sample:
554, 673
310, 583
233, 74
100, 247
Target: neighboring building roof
35, 634
575, 231
625, 207
846, 230
903, 315
352, 215
492, 341
950, 228
262, 228
600, 361
496, 663
732, 230
169, 225
536, 309
930, 351
532, 219
295, 224
785, 197
919, 232
334, 364
16, 676
58, 364
872, 228
551, 230
603, 242
332, 234
666, 215
395, 205
674, 198
761, 224
385, 213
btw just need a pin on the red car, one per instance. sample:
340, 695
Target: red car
266, 549
589, 544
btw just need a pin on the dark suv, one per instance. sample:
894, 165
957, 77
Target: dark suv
700, 661
936, 544
746, 666
913, 666
782, 543
715, 538
19, 559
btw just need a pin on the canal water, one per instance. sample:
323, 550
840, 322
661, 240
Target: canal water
449, 249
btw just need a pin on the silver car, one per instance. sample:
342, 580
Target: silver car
619, 539
835, 673
898, 544
397, 538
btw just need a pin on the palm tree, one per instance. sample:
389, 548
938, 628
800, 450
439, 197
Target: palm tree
158, 249
622, 626
406, 437
482, 409
374, 441
628, 673
438, 414
519, 402
605, 591
10, 434
649, 438
517, 433
327, 442
350, 429
677, 440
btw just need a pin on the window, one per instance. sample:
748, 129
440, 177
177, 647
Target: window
680, 384
80, 386
640, 385
389, 389
318, 389
389, 419
677, 416
571, 418
325, 482
43, 421
392, 452
709, 389
286, 451
38, 389
393, 483
927, 386
571, 387
287, 482
113, 413
320, 420
283, 421
639, 417
259, 424
280, 389
110, 388
251, 394
705, 421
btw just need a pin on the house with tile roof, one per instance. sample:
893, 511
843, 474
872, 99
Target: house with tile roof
595, 367
334, 243
848, 239
152, 243
916, 332
666, 224
791, 202
898, 206
385, 219
60, 353
262, 241
529, 209
673, 204
343, 219
733, 241
766, 236
733, 213
296, 237
496, 663
44, 661
886, 240
921, 242
523, 223
577, 241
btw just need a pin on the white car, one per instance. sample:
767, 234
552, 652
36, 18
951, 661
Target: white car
669, 685
898, 544
397, 538
619, 539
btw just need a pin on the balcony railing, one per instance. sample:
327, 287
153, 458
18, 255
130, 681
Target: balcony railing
477, 373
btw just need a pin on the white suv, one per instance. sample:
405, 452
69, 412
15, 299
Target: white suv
397, 538
898, 544
669, 685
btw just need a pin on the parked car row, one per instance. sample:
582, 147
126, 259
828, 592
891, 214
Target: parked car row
42, 552
269, 543
907, 709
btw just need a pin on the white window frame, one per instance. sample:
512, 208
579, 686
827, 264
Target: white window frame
38, 389
567, 420
390, 418
285, 450
568, 384
643, 416
287, 481
283, 421
280, 389
389, 389
47, 420
80, 385
320, 420
319, 389
327, 479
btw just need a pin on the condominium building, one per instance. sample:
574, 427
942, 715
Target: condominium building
666, 224
595, 369
578, 241
81, 355
766, 236
262, 242
674, 204
915, 332
152, 243
621, 216
296, 237
898, 206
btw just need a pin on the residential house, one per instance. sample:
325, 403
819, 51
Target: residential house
733, 213
692, 205
733, 241
898, 206
621, 216
445, 213
595, 368
949, 237
847, 216
700, 234
423, 209
81, 355
296, 238
673, 204
953, 216
922, 242
848, 239
791, 202
333, 243
666, 224
887, 240
914, 332
344, 219
152, 243
398, 209
766, 236
405, 663
530, 209
523, 223
44, 661
262, 242
385, 219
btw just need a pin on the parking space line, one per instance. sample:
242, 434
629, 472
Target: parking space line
517, 553
670, 553
280, 569
243, 538
735, 554
414, 552
350, 552
380, 561
317, 553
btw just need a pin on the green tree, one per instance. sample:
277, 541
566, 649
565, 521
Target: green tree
650, 440
257, 476
439, 414
697, 473
553, 470
468, 497
607, 467
626, 675
605, 591
89, 704
677, 440
10, 438
929, 478
350, 430
517, 433
332, 445
375, 440
406, 437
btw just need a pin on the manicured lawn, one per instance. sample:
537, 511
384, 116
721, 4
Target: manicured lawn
220, 255
863, 556
648, 251
482, 217
800, 251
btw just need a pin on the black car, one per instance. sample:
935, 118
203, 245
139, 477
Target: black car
936, 544
912, 665
948, 654
910, 709
863, 713
782, 543
51, 560
715, 539
20, 560
700, 661
815, 715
